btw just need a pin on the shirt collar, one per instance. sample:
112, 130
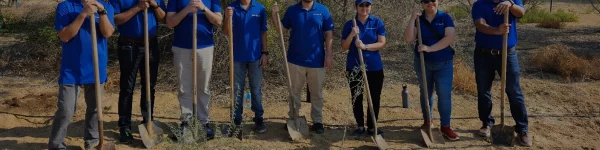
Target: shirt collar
370, 17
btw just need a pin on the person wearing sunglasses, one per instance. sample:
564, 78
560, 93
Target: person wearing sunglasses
488, 16
369, 36
310, 27
438, 32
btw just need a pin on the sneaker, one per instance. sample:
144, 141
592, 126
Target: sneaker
318, 127
358, 132
448, 133
259, 127
523, 139
90, 144
371, 131
210, 133
125, 135
425, 124
485, 131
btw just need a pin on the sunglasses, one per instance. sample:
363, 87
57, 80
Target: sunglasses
364, 5
427, 1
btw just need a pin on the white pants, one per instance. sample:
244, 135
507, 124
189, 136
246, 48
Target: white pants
182, 60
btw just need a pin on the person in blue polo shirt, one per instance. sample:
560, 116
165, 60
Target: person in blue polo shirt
179, 16
488, 16
371, 39
437, 29
129, 17
310, 50
250, 55
77, 68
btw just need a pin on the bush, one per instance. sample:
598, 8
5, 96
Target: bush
464, 78
458, 12
537, 15
557, 59
551, 24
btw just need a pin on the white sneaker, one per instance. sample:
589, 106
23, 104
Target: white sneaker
485, 131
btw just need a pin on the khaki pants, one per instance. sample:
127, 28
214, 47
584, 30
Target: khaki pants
182, 60
316, 78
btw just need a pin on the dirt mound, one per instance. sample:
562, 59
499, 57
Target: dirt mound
33, 102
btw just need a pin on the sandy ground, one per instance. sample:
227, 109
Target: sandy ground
561, 115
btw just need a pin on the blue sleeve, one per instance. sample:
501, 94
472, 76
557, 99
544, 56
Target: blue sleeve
62, 18
519, 2
327, 21
162, 4
285, 21
476, 12
110, 12
448, 22
347, 29
381, 28
263, 20
116, 5
172, 6
215, 6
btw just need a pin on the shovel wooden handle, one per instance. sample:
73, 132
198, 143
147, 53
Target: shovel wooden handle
149, 122
194, 63
503, 76
287, 69
424, 82
97, 81
231, 64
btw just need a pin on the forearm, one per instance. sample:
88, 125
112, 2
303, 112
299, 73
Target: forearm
159, 14
517, 11
264, 41
445, 42
329, 43
226, 27
409, 32
375, 46
347, 42
174, 20
106, 28
214, 18
483, 27
277, 23
121, 18
68, 32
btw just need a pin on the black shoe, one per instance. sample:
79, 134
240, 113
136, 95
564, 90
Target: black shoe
358, 132
210, 133
126, 136
259, 126
371, 131
318, 127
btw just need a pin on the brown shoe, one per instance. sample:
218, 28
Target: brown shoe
523, 139
425, 124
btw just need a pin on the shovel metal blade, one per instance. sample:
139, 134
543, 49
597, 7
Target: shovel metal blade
502, 135
107, 146
297, 128
381, 144
436, 135
151, 138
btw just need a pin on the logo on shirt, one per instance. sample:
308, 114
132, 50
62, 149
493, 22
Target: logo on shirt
255, 15
317, 14
371, 28
439, 24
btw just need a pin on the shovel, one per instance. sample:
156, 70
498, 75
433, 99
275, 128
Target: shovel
431, 137
297, 126
101, 144
502, 134
381, 144
150, 132
234, 130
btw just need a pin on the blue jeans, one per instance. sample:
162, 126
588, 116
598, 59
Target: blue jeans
440, 76
486, 66
255, 76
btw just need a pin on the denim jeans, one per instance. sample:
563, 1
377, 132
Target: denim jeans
486, 66
439, 76
255, 78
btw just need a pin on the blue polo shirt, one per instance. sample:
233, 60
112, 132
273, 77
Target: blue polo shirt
183, 31
369, 32
483, 9
247, 28
76, 64
440, 22
134, 27
307, 34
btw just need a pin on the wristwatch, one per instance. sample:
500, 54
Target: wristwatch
102, 12
265, 53
366, 46
512, 3
203, 9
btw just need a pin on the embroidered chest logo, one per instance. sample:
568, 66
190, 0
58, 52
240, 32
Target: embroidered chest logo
255, 15
371, 28
317, 14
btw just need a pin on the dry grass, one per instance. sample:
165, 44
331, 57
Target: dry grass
464, 78
551, 24
557, 59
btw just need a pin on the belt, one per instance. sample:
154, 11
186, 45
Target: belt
135, 40
491, 51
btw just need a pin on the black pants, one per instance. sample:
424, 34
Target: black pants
131, 61
356, 89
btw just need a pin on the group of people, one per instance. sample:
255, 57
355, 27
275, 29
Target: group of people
309, 25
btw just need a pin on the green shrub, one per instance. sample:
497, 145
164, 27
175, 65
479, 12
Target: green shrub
537, 15
458, 12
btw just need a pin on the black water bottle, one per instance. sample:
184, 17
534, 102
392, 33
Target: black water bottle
405, 101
